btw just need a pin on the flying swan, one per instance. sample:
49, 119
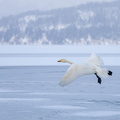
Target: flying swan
93, 65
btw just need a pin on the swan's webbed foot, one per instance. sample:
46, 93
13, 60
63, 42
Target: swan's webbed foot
110, 72
99, 79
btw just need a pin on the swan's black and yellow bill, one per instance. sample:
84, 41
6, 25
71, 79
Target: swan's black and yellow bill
60, 60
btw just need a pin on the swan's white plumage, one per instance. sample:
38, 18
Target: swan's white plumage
95, 59
90, 66
74, 72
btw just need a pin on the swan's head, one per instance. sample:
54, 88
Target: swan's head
64, 61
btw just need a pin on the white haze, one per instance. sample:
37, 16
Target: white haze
11, 7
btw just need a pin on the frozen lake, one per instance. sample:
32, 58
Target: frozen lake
33, 93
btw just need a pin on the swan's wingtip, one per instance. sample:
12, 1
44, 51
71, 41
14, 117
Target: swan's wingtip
61, 84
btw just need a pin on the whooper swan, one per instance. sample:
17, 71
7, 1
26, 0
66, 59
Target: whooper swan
93, 65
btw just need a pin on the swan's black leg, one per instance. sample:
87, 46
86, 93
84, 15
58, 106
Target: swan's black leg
109, 72
99, 79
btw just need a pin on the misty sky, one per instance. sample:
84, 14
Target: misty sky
11, 7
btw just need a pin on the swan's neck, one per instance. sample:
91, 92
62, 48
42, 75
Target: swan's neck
68, 62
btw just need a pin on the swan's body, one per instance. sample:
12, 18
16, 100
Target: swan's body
91, 66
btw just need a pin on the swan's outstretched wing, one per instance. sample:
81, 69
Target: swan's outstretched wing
74, 72
70, 76
95, 59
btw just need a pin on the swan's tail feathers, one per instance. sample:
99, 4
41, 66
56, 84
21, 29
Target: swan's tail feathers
103, 72
109, 72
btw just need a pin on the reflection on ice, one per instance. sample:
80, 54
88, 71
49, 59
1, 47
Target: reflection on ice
118, 95
97, 113
64, 107
23, 99
52, 93
9, 91
86, 102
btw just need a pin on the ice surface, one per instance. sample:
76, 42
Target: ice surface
33, 93
98, 113
64, 107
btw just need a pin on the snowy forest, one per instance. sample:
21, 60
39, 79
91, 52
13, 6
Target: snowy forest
91, 23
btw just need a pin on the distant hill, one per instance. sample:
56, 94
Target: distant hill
91, 23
